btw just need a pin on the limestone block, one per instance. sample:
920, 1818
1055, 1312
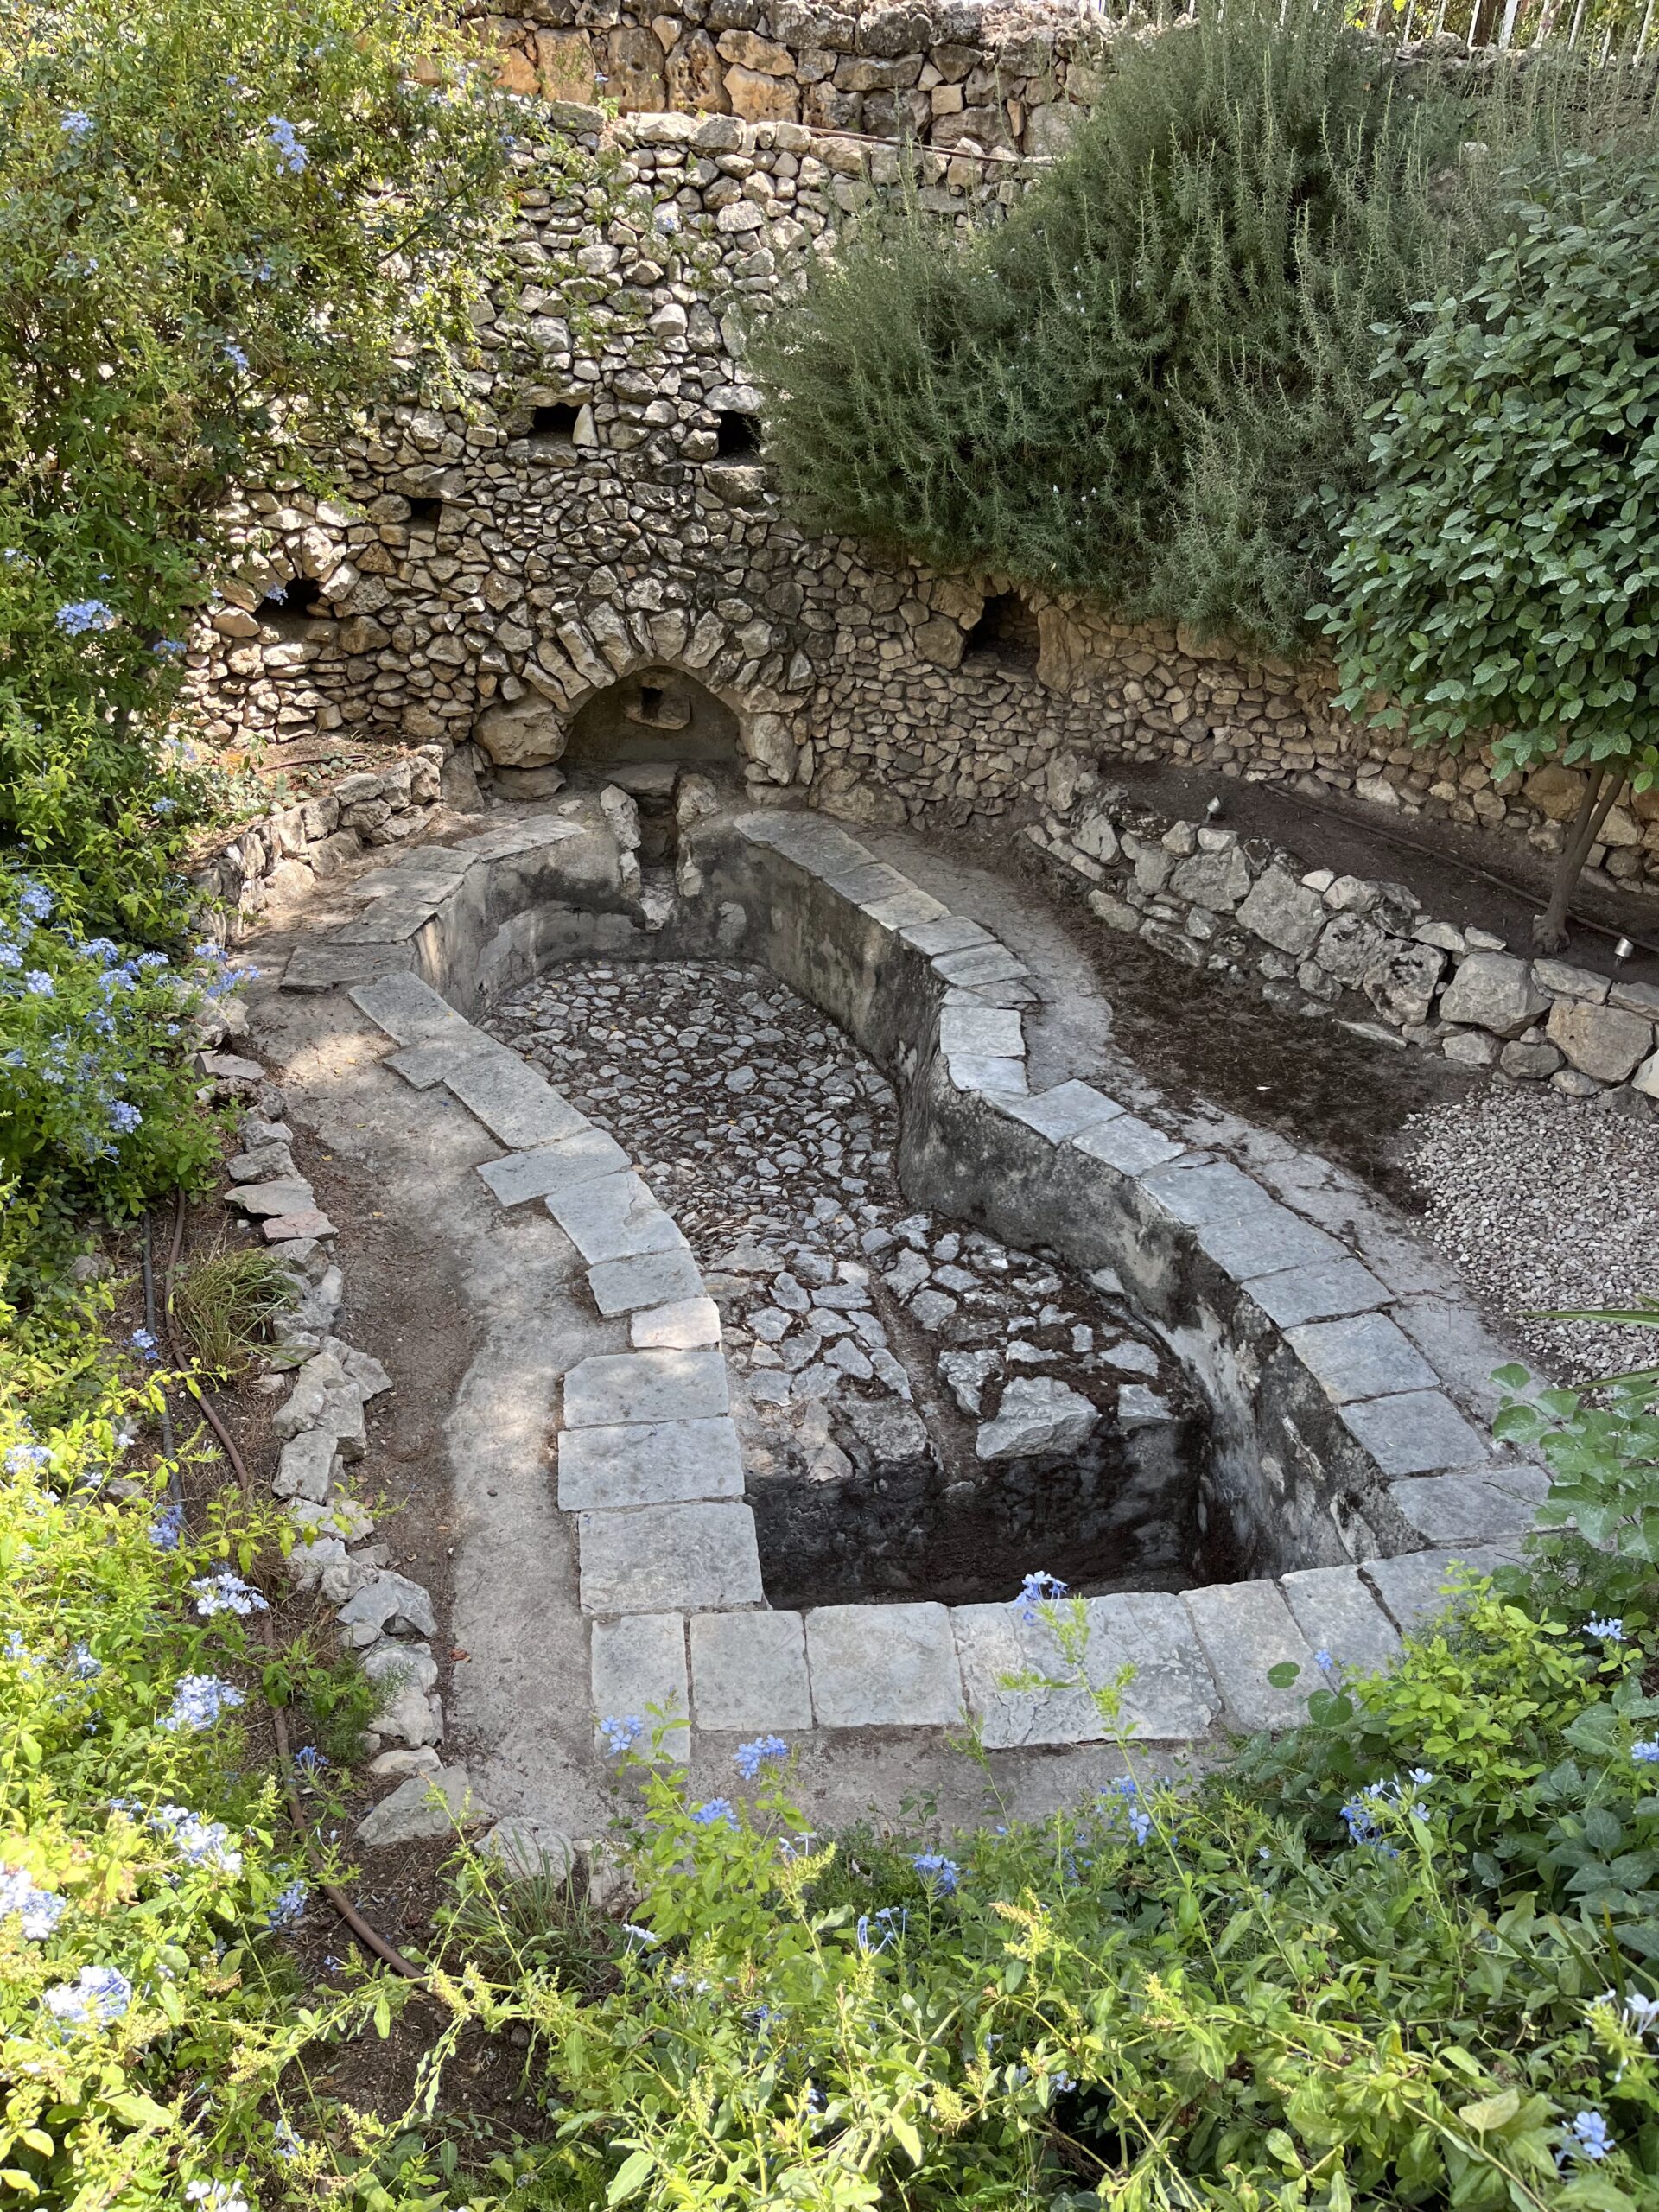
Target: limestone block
651, 1463
692, 1559
637, 76
426, 1805
1601, 1041
649, 1279
565, 65
1415, 1432
749, 1671
883, 1667
1401, 982
519, 1176
1216, 880
527, 734
1282, 912
1319, 1292
637, 1664
1339, 1616
1171, 1697
941, 641
614, 1217
1346, 948
620, 1388
1362, 1355
1247, 1629
769, 744
1494, 991
1038, 1414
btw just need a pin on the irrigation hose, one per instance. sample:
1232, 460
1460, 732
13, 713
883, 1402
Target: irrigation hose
369, 1937
175, 1486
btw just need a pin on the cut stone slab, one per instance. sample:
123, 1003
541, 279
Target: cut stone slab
1171, 1698
749, 1671
1246, 1628
291, 1195
690, 1559
434, 1059
513, 1102
987, 1029
583, 1157
426, 1805
1038, 1415
638, 1665
904, 909
284, 1228
683, 1325
1267, 1244
409, 1010
1459, 1508
949, 933
320, 965
654, 1463
1207, 1191
986, 1071
649, 1279
615, 1218
1129, 1144
883, 1667
1321, 1293
1413, 1586
617, 1389
1064, 1111
1338, 1614
389, 1598
979, 964
309, 1467
1418, 1433
1363, 1356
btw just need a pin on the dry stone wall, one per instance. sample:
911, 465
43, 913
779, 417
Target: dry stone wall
603, 514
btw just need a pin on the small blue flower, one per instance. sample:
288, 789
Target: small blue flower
289, 1910
1037, 1590
26, 1459
666, 221
142, 1340
38, 983
124, 1117
1646, 1754
83, 614
74, 122
168, 648
236, 357
225, 1592
35, 901
102, 1995
937, 1871
1324, 1662
1121, 1800
1605, 1632
83, 1664
749, 1758
1589, 2137
284, 2142
310, 1760
38, 1910
198, 1702
167, 1528
716, 1809
198, 1843
291, 152
644, 1937
621, 1735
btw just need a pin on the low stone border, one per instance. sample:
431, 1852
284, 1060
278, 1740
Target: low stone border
1350, 1466
1322, 942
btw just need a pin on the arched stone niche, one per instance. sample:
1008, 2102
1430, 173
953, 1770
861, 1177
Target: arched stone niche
655, 714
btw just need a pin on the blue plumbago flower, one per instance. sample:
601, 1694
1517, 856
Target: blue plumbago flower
38, 983
289, 1910
1324, 1662
198, 1843
310, 1760
749, 1758
1589, 2137
1605, 1632
11, 955
198, 1702
862, 1937
167, 1528
17, 1650
717, 1808
102, 1995
1036, 1590
236, 357
35, 901
225, 1592
1646, 1754
26, 1459
643, 1936
104, 949
83, 614
125, 1117
291, 152
40, 1910
84, 1665
142, 1340
74, 122
284, 2142
1059, 2083
1121, 1800
937, 1871
621, 1735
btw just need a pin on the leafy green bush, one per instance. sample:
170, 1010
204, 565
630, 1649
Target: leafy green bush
1147, 383
1497, 577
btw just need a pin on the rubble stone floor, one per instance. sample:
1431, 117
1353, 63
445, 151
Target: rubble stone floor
924, 1411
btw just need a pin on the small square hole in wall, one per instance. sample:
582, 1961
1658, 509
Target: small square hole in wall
426, 514
1006, 629
554, 425
287, 609
735, 435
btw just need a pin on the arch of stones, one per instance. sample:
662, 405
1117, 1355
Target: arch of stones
1346, 1389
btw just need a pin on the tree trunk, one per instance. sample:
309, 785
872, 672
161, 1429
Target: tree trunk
1602, 785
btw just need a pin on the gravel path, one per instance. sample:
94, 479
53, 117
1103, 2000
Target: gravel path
1544, 1201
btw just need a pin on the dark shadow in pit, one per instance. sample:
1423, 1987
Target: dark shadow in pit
1123, 1513
655, 716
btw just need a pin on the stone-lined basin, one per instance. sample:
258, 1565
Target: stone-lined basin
1349, 1473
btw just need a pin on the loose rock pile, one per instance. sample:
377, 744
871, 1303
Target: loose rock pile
900, 1375
1323, 942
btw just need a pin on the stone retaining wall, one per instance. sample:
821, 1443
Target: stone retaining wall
1366, 952
600, 517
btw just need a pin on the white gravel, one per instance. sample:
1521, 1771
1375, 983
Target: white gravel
1546, 1202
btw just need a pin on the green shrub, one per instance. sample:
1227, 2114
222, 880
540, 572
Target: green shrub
226, 1303
1147, 383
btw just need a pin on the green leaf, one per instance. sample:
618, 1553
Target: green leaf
630, 2175
1282, 1675
1490, 2112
